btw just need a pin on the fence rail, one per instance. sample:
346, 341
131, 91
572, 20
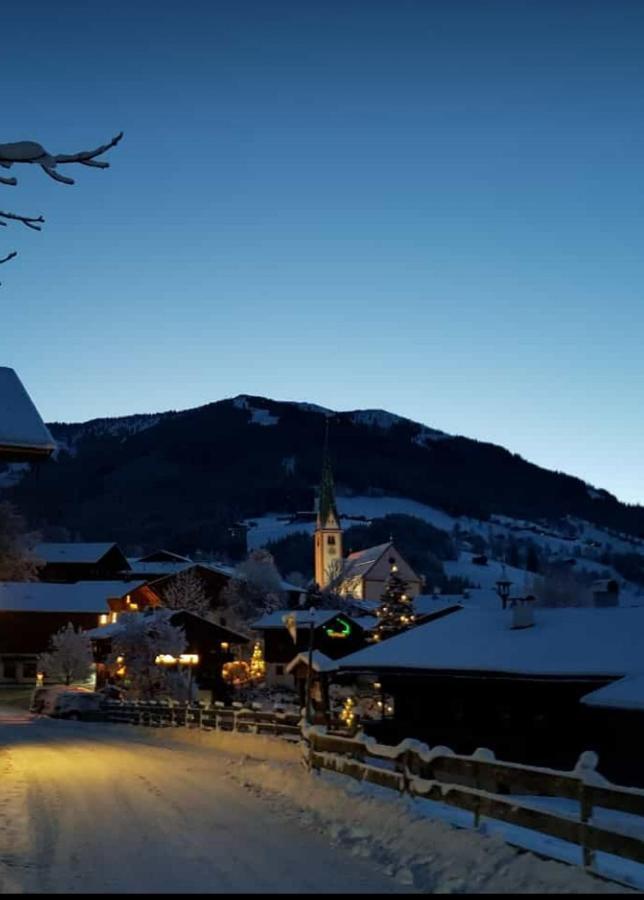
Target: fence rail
484, 786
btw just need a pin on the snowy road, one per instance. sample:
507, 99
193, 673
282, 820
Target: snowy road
98, 808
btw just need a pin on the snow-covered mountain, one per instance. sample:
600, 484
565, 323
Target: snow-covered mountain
186, 479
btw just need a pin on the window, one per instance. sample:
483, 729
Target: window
331, 540
279, 670
9, 669
29, 670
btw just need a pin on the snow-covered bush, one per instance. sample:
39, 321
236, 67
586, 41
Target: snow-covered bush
187, 592
69, 657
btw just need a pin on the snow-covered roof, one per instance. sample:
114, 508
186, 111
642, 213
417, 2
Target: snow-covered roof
83, 596
302, 616
562, 642
160, 569
163, 556
360, 562
108, 631
21, 427
72, 553
627, 693
319, 662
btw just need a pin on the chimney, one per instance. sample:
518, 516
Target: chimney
522, 612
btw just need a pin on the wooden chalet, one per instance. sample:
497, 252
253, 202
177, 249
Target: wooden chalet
24, 437
335, 635
512, 681
32, 612
70, 562
214, 645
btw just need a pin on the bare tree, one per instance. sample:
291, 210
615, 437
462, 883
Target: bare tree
187, 591
17, 559
32, 153
69, 657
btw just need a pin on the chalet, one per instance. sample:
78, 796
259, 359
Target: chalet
213, 644
214, 577
322, 669
24, 437
31, 612
70, 562
511, 680
335, 635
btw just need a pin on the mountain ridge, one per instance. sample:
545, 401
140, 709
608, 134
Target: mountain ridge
184, 478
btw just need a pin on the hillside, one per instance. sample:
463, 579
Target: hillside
185, 479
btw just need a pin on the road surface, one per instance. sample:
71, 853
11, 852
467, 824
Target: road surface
95, 808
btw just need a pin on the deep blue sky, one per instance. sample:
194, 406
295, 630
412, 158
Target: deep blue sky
430, 207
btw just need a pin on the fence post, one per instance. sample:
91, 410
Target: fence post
585, 815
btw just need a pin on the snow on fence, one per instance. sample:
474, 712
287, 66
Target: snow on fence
484, 786
218, 717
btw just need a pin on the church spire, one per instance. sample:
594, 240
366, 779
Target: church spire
327, 510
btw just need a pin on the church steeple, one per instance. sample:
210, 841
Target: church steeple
327, 510
328, 533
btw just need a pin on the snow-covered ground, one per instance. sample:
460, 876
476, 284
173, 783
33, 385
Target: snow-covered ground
111, 808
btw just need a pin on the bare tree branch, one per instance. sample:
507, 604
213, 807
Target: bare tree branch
29, 221
7, 258
34, 153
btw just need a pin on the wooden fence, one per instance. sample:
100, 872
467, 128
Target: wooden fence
159, 714
480, 784
484, 786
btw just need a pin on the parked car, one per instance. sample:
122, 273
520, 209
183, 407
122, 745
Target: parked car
63, 702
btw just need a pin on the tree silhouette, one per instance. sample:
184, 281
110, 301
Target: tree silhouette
32, 153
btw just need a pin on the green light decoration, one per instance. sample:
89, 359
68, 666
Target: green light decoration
346, 629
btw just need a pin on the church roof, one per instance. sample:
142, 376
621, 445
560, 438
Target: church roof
362, 561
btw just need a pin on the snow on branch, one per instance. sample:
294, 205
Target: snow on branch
30, 221
34, 153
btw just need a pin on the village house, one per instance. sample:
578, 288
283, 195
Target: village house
70, 562
513, 680
335, 634
32, 612
211, 644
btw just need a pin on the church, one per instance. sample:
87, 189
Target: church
362, 575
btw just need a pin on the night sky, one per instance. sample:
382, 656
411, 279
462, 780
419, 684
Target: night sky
429, 206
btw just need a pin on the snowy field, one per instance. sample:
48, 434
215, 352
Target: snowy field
111, 808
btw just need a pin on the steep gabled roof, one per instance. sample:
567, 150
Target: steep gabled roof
23, 434
362, 561
319, 662
302, 617
69, 552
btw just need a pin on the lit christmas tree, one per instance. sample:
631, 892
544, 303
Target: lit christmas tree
396, 610
257, 663
348, 713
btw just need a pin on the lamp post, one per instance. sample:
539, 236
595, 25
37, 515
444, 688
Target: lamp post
309, 674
